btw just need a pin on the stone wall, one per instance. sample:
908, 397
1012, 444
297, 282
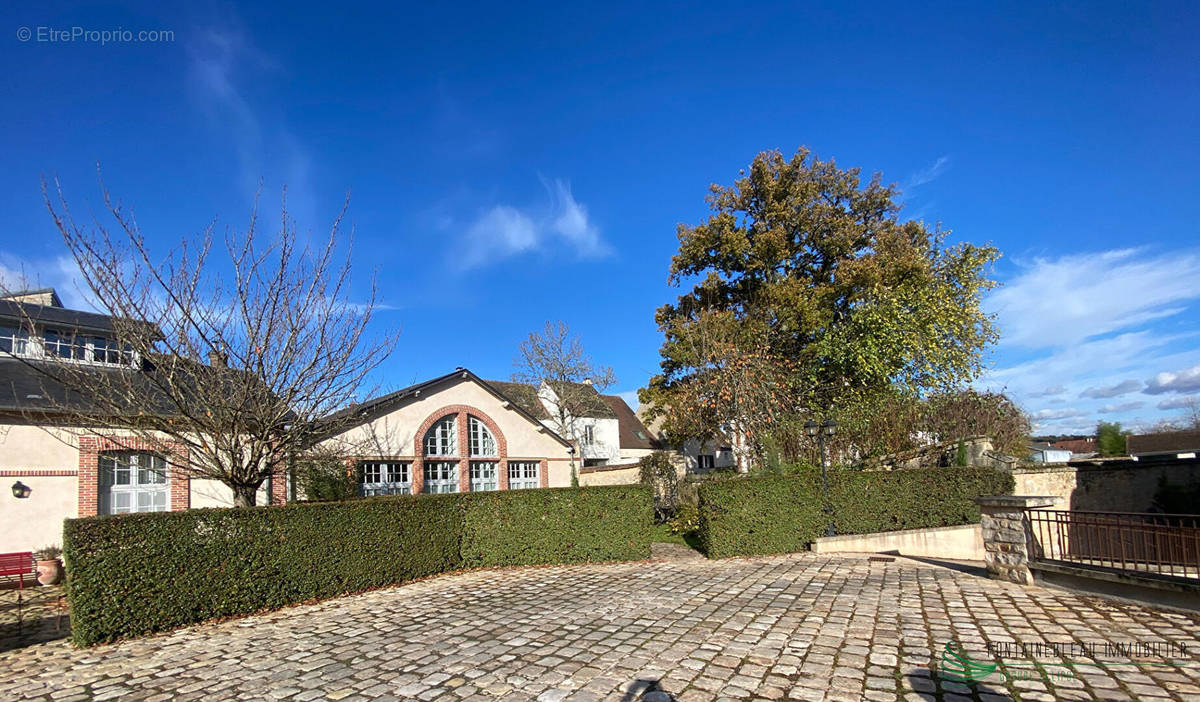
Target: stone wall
1107, 484
1007, 536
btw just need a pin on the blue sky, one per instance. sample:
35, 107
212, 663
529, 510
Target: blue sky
511, 164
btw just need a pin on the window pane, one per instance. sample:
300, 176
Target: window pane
442, 437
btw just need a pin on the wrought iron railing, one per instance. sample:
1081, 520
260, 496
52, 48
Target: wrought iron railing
1164, 544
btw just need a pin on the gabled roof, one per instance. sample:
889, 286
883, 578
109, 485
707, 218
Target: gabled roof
581, 399
524, 395
633, 434
366, 411
16, 312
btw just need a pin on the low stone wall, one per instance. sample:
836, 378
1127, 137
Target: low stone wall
1007, 535
626, 474
960, 543
1106, 484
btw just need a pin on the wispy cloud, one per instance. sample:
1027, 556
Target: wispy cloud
1186, 380
1090, 325
928, 174
504, 231
226, 75
1182, 402
60, 273
1059, 302
1102, 393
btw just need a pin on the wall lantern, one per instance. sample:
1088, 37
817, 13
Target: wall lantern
21, 490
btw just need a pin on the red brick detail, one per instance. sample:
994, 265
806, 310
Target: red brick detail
36, 473
461, 413
90, 448
279, 485
544, 473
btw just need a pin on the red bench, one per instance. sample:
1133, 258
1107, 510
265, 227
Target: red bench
18, 564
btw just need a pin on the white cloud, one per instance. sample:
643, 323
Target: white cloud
1056, 414
928, 174
1049, 392
505, 231
631, 399
1061, 302
1187, 380
1102, 393
1181, 402
60, 273
1123, 407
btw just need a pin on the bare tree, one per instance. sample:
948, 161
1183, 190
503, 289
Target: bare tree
273, 317
556, 359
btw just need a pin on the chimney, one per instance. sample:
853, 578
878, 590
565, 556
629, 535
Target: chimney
216, 359
587, 381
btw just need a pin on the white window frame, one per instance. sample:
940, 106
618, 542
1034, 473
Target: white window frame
705, 461
524, 475
385, 478
145, 487
16, 339
53, 342
442, 437
482, 441
485, 476
444, 477
589, 435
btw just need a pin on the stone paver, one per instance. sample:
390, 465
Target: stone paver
796, 627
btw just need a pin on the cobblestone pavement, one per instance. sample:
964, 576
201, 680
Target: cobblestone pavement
804, 626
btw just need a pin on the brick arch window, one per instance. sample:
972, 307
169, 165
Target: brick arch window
460, 449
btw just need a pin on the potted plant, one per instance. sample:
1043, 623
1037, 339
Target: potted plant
49, 565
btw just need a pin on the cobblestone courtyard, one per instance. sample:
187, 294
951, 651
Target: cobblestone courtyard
802, 626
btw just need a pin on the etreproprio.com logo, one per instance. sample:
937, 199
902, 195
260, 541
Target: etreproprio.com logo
84, 35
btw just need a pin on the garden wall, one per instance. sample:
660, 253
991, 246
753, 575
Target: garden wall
780, 514
134, 574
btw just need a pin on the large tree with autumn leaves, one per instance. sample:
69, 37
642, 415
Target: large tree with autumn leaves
809, 297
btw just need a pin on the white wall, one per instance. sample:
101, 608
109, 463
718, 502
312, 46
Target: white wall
29, 523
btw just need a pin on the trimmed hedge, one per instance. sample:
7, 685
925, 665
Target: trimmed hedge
780, 514
134, 574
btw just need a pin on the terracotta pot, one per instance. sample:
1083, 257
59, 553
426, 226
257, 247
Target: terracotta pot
50, 572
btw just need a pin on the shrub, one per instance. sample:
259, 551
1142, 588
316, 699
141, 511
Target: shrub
526, 527
138, 573
779, 514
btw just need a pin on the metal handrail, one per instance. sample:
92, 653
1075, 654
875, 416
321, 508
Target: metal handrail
1158, 543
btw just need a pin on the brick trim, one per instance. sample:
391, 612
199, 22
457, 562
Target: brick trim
90, 448
461, 414
36, 473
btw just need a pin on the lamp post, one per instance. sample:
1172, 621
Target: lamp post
822, 432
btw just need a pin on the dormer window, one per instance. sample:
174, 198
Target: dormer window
65, 345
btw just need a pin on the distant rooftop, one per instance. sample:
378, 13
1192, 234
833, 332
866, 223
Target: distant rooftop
44, 308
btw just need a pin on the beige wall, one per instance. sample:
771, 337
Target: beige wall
963, 542
621, 476
393, 434
27, 524
1105, 486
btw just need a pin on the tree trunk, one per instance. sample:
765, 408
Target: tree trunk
244, 495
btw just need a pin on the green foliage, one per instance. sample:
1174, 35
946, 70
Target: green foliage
1110, 439
1176, 499
686, 520
527, 527
960, 454
779, 514
138, 573
324, 479
658, 471
809, 294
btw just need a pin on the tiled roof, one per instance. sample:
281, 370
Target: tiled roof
582, 400
1164, 442
633, 434
15, 313
523, 395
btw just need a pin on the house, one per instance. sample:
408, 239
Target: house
1180, 444
1042, 452
461, 433
51, 467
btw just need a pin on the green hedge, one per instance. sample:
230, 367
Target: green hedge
780, 514
134, 574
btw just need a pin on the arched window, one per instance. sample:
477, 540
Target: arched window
132, 482
482, 441
442, 437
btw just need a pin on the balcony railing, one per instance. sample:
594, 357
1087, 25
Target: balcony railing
1163, 544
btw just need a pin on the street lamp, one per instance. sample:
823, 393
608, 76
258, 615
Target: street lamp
821, 432
20, 490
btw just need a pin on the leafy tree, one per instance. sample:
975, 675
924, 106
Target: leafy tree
966, 413
1111, 439
841, 307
